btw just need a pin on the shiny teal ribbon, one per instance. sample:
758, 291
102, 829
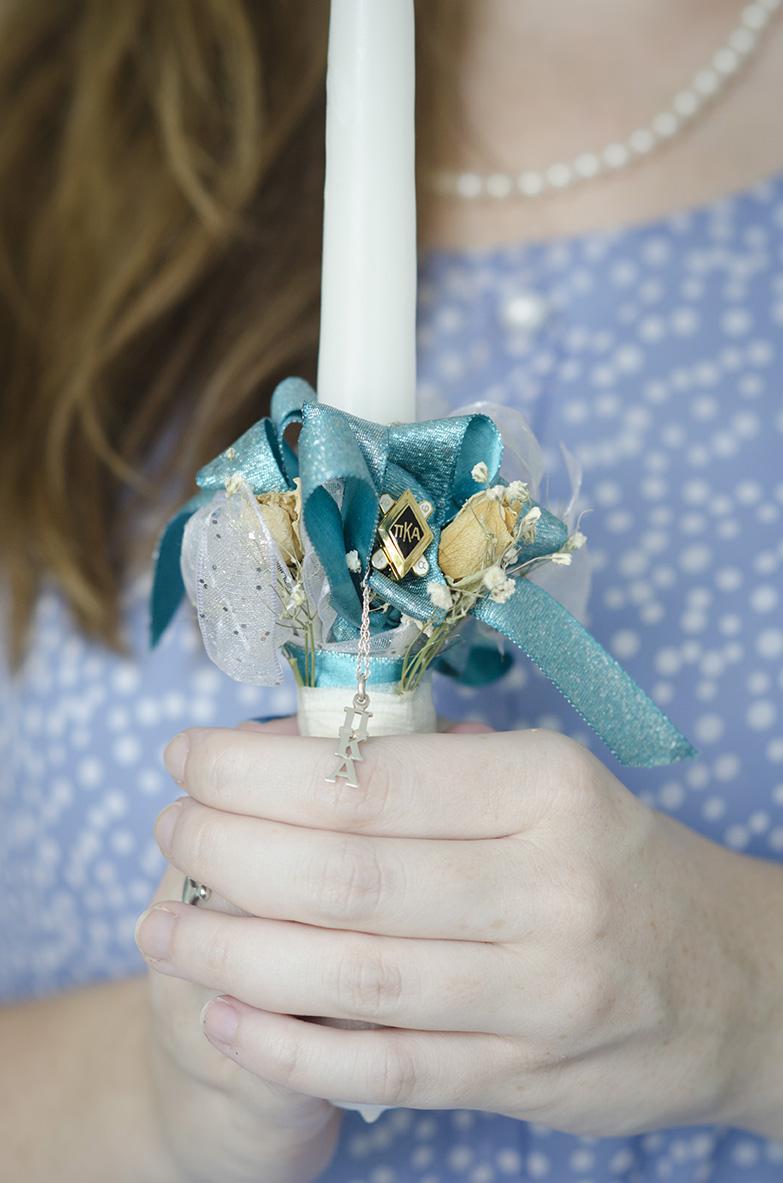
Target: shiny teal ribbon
434, 459
339, 669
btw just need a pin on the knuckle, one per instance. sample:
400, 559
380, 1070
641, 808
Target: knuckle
195, 839
393, 1075
347, 880
354, 808
367, 985
580, 1000
212, 766
534, 1060
376, 779
284, 1056
593, 1001
589, 913
585, 1007
218, 957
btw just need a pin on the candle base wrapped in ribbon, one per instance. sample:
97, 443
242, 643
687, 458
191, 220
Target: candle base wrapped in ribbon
280, 550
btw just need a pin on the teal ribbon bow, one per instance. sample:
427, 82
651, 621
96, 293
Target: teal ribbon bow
434, 460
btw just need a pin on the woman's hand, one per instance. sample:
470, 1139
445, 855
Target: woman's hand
539, 942
218, 1121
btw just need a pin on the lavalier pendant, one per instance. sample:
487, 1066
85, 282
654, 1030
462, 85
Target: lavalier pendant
358, 714
350, 735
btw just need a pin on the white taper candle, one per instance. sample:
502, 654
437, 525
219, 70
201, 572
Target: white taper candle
367, 350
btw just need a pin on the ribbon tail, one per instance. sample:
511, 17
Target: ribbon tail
167, 586
634, 729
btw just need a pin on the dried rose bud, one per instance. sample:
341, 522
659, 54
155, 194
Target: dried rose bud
478, 537
280, 512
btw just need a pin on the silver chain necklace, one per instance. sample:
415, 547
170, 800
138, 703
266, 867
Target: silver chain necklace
357, 716
686, 106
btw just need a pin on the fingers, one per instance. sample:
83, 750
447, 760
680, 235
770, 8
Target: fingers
409, 887
430, 786
288, 967
410, 1068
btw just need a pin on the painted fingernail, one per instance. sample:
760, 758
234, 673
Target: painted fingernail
165, 825
265, 718
154, 932
175, 757
220, 1020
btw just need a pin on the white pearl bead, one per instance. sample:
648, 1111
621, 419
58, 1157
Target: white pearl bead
468, 185
755, 17
586, 165
742, 41
641, 141
666, 124
725, 61
706, 82
615, 155
524, 310
559, 176
530, 184
499, 185
686, 103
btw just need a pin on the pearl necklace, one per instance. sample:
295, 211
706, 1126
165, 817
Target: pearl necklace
705, 87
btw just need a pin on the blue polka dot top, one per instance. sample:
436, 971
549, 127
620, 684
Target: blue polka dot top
655, 354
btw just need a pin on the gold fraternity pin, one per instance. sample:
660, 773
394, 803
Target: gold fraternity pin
404, 536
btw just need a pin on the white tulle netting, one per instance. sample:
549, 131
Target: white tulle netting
239, 585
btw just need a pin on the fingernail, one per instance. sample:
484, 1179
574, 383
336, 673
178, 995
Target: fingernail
220, 1020
154, 932
175, 757
165, 825
265, 718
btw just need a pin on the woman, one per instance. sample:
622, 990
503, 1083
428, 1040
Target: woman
604, 957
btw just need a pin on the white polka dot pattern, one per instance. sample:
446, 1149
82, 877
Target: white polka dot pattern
653, 353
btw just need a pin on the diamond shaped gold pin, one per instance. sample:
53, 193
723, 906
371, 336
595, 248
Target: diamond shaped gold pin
404, 536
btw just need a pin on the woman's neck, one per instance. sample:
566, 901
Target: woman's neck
542, 80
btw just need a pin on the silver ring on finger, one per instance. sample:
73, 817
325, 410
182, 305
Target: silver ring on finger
195, 893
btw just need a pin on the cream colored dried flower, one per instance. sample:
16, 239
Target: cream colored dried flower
353, 562
480, 534
439, 594
281, 514
480, 472
529, 524
561, 559
503, 592
296, 599
577, 540
517, 491
494, 577
234, 484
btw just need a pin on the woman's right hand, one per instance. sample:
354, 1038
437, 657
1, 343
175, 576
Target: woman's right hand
220, 1121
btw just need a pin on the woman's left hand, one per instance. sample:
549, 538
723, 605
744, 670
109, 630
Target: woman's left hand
535, 940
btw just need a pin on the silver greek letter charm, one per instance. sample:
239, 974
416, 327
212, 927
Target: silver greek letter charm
354, 728
350, 735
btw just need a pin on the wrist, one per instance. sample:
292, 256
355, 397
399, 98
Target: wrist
752, 1098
